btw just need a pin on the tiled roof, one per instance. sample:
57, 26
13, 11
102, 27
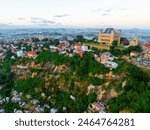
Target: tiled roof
109, 30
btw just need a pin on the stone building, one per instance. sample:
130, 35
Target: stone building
109, 36
134, 42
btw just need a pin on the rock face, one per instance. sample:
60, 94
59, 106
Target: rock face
48, 65
112, 94
24, 71
124, 84
125, 111
101, 94
61, 69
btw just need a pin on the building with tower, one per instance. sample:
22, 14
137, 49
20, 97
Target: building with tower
134, 42
109, 36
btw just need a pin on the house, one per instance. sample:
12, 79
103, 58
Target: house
7, 99
12, 57
53, 110
28, 96
22, 104
2, 101
3, 57
81, 53
62, 52
15, 93
72, 97
35, 101
64, 43
96, 107
20, 53
69, 54
111, 65
54, 48
18, 111
2, 110
14, 99
13, 51
107, 56
91, 88
47, 106
146, 47
43, 94
22, 67
64, 108
77, 46
134, 53
146, 57
124, 41
40, 109
84, 48
32, 54
1, 53
106, 59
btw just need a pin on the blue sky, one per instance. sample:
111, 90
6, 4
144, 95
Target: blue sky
75, 13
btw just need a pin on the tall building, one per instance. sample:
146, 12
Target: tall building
109, 36
134, 42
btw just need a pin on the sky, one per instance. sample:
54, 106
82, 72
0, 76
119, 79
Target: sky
75, 13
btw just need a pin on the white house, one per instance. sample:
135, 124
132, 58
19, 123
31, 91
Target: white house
53, 110
111, 65
19, 53
84, 48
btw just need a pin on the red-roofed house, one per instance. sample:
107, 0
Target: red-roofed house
134, 53
31, 54
81, 53
77, 46
146, 47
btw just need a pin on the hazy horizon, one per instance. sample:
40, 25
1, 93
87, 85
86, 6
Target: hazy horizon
75, 28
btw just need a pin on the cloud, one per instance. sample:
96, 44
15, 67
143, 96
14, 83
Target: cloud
48, 21
97, 10
61, 16
106, 14
123, 9
35, 18
36, 22
42, 21
107, 10
59, 24
21, 18
125, 15
102, 10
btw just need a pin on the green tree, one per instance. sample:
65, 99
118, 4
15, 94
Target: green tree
95, 81
132, 48
55, 42
92, 97
79, 38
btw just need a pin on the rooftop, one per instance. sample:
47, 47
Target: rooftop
109, 31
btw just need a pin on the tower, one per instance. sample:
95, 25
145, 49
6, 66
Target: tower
134, 42
99, 36
119, 37
137, 40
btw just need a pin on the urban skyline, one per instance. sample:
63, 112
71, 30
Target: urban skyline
75, 13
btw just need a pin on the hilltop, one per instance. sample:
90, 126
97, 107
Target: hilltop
73, 78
